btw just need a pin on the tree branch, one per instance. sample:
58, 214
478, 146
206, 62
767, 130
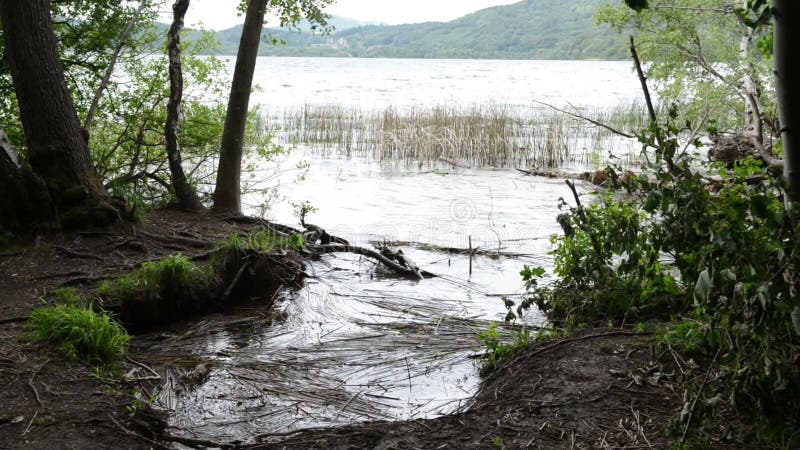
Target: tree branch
123, 40
587, 119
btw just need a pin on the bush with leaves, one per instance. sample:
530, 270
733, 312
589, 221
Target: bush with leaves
711, 251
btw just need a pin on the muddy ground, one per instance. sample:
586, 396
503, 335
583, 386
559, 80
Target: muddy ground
596, 390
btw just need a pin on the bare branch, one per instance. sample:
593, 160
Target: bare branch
650, 110
587, 119
123, 40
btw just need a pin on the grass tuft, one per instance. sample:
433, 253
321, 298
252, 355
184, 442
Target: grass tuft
79, 332
160, 291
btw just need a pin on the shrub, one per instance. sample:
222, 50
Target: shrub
78, 332
710, 249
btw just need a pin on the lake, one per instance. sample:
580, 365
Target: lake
358, 343
379, 83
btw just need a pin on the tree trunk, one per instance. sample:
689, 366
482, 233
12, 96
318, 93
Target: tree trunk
787, 87
227, 196
752, 106
25, 202
57, 147
187, 199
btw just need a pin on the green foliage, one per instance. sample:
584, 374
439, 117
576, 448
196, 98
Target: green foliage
228, 256
303, 209
68, 296
296, 242
173, 280
717, 259
78, 332
264, 241
497, 352
497, 442
693, 56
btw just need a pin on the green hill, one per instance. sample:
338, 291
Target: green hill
530, 29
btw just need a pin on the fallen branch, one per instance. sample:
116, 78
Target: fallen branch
234, 282
699, 393
588, 119
13, 320
323, 249
547, 348
130, 432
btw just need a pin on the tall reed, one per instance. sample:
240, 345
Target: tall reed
480, 135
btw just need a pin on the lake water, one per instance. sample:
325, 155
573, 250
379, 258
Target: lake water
379, 83
358, 343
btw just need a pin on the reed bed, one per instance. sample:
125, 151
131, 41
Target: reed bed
480, 135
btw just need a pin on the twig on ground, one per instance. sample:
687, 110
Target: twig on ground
33, 387
697, 397
130, 432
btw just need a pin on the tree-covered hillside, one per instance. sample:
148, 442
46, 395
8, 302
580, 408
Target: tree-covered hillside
530, 29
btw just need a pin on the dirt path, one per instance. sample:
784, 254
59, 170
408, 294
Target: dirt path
595, 391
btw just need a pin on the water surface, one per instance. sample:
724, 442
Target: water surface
357, 342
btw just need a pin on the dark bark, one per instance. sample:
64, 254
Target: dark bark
227, 196
57, 147
787, 86
187, 199
24, 200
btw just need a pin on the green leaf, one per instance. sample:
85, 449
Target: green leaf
728, 275
703, 287
671, 286
796, 319
763, 295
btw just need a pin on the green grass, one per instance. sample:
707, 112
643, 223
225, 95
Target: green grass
497, 352
236, 246
67, 296
78, 332
160, 292
173, 275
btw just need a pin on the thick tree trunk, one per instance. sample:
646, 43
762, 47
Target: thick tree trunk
57, 148
787, 86
227, 196
187, 199
24, 200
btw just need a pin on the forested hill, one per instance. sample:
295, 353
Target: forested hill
530, 29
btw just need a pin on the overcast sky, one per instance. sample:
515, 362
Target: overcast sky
220, 14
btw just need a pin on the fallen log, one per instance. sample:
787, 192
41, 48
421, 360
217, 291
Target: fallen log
335, 244
403, 270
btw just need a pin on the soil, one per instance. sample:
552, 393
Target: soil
596, 390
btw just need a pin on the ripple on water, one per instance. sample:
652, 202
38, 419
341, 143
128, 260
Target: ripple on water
357, 343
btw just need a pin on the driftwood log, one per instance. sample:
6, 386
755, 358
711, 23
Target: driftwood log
397, 261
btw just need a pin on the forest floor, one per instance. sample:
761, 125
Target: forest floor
601, 389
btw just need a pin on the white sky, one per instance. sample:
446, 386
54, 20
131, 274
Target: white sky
220, 14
